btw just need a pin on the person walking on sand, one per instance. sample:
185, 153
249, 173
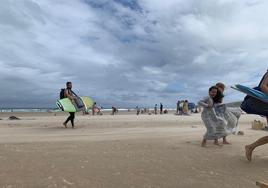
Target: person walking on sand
138, 110
178, 107
68, 93
161, 108
114, 110
255, 106
155, 109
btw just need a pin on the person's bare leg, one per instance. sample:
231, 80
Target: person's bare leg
225, 141
249, 148
204, 142
261, 184
65, 124
216, 142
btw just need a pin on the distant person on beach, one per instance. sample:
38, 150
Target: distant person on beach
138, 110
181, 107
93, 109
255, 106
185, 108
114, 110
96, 109
145, 110
178, 107
208, 117
155, 109
161, 108
68, 93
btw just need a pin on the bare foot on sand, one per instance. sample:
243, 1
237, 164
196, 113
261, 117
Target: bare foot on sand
248, 152
217, 144
203, 144
65, 125
225, 142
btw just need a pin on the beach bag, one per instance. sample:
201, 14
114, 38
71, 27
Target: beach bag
257, 125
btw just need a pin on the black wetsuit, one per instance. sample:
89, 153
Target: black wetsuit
72, 114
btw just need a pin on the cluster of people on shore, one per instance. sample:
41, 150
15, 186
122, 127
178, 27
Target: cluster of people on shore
95, 110
161, 109
155, 110
141, 110
182, 107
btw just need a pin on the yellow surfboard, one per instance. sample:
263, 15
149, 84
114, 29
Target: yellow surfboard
66, 104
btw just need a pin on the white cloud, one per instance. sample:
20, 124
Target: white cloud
130, 53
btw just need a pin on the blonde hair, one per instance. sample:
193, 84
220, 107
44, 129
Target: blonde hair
220, 85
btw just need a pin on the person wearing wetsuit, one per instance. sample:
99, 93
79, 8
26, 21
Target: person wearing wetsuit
69, 94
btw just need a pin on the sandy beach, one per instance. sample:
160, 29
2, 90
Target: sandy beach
122, 151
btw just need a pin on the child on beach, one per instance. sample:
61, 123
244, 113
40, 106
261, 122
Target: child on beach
208, 116
230, 115
236, 111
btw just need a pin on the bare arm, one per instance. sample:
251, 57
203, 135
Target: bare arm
66, 93
264, 85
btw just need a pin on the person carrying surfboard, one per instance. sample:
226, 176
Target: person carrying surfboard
255, 109
68, 93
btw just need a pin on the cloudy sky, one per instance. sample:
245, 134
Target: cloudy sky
129, 52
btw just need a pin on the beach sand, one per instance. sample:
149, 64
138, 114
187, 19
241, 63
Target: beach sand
124, 151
